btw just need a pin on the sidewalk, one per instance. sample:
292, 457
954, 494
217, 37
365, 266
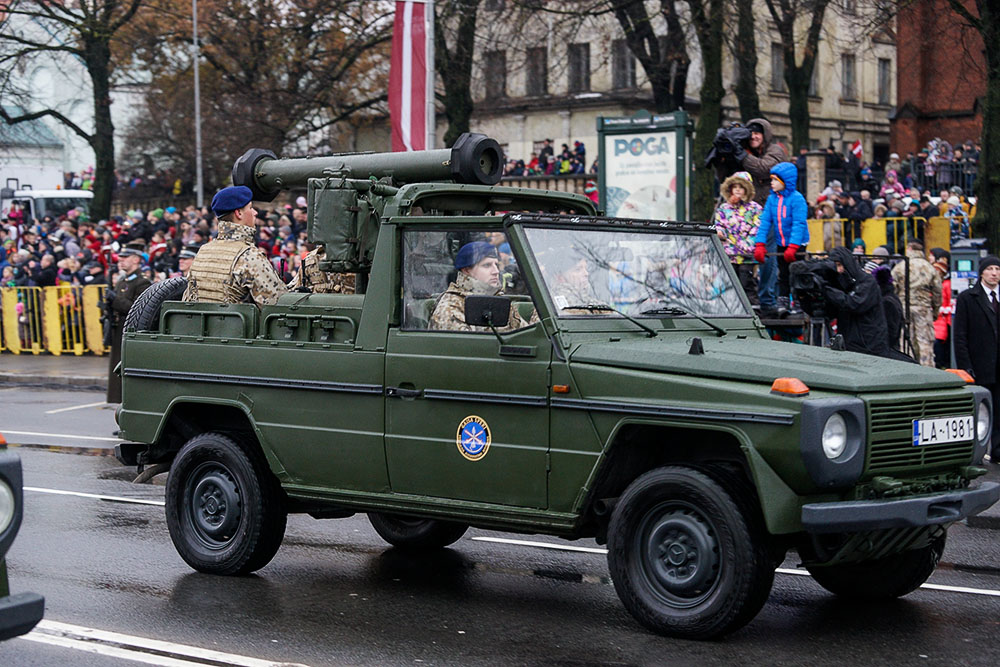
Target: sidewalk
67, 371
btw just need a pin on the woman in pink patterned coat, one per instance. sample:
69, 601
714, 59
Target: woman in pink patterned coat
736, 221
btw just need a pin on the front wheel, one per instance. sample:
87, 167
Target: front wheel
687, 558
225, 509
882, 578
411, 533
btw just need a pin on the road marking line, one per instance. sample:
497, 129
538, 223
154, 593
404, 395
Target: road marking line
76, 407
139, 649
66, 436
543, 545
780, 570
113, 499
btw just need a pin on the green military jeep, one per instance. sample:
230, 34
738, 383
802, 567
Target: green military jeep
642, 405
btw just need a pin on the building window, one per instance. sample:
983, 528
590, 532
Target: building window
778, 69
850, 6
496, 74
537, 72
814, 81
884, 82
579, 68
622, 65
493, 5
848, 89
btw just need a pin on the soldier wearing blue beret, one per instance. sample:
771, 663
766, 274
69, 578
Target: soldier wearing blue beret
478, 267
231, 269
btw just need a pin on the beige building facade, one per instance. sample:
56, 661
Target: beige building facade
551, 77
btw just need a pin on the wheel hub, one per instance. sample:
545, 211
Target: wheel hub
215, 505
681, 553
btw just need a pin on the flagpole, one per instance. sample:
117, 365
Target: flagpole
429, 89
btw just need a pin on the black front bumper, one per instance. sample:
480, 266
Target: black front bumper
20, 613
864, 515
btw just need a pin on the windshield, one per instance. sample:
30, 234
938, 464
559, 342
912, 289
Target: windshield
642, 274
56, 206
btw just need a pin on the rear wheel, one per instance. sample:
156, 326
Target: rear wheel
225, 509
687, 558
412, 533
883, 578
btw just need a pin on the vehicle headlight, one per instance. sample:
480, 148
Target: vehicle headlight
6, 506
982, 421
834, 436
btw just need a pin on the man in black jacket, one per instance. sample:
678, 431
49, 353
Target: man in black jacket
975, 332
856, 302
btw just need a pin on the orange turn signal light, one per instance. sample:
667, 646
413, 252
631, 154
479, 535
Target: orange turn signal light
962, 374
560, 389
3, 440
793, 386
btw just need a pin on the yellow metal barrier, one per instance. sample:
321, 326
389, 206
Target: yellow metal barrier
828, 233
52, 319
22, 319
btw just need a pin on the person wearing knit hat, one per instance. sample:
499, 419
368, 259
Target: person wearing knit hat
976, 332
737, 219
958, 219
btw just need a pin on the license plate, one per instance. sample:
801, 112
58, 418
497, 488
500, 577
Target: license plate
942, 430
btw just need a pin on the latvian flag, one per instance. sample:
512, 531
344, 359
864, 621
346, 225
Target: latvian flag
857, 150
408, 77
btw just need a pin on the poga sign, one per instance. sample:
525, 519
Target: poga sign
641, 175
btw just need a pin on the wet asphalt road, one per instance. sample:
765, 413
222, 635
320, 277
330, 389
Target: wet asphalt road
335, 594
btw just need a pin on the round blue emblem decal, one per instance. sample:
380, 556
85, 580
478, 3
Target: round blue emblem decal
473, 437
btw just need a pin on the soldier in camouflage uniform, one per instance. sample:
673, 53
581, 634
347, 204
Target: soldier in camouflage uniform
312, 279
478, 273
925, 299
231, 269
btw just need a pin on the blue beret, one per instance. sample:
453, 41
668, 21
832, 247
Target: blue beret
230, 199
472, 253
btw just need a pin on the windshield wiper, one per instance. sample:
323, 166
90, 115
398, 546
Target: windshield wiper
677, 310
603, 307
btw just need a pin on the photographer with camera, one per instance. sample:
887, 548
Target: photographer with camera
751, 148
855, 299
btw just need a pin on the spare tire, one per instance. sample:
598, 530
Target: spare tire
144, 315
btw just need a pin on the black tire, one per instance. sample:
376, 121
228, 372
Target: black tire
144, 315
687, 558
225, 509
883, 578
411, 533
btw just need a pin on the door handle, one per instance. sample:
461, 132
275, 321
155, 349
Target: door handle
400, 392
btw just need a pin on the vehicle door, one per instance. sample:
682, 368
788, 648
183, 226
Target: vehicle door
466, 416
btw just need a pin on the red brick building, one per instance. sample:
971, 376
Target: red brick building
940, 77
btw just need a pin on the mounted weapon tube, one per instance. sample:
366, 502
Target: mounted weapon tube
474, 159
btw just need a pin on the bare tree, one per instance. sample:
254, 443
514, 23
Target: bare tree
664, 58
83, 30
708, 18
786, 13
744, 50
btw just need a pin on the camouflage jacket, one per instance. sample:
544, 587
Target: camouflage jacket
321, 282
925, 282
449, 313
231, 269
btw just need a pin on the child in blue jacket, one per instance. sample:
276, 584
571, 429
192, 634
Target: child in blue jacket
786, 213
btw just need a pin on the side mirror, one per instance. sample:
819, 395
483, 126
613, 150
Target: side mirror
487, 311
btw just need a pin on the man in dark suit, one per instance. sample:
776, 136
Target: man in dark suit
977, 337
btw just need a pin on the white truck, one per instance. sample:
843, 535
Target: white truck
38, 203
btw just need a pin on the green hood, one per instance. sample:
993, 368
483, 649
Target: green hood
763, 361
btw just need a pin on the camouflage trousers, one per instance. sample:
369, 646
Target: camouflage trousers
922, 335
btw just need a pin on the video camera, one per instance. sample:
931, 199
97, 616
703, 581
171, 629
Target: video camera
808, 279
724, 146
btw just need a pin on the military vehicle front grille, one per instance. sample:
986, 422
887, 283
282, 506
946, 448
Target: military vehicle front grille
891, 429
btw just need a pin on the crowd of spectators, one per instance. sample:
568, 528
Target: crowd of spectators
547, 163
77, 251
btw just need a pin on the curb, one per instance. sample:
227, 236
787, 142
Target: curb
72, 382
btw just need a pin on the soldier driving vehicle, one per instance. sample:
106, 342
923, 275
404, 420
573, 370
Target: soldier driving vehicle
655, 420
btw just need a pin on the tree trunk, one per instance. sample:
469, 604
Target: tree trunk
745, 53
665, 64
708, 26
455, 67
798, 107
103, 140
987, 220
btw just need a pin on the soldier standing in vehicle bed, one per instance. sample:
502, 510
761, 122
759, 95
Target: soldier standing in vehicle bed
231, 269
118, 300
